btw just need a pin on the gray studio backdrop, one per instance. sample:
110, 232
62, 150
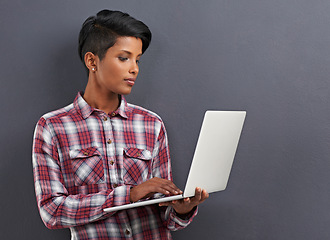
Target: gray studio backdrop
270, 58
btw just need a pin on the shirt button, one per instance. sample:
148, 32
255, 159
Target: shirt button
112, 162
127, 232
113, 114
86, 153
105, 119
109, 141
115, 185
138, 154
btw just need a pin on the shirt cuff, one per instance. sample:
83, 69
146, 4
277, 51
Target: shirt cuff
186, 216
181, 219
119, 196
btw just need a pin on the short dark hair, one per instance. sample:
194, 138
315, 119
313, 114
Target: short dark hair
100, 32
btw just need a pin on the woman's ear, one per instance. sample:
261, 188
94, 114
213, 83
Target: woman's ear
90, 61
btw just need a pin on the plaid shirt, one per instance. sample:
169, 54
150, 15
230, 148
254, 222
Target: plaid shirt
85, 160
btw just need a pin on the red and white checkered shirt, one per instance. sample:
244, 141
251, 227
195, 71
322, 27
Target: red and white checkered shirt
85, 160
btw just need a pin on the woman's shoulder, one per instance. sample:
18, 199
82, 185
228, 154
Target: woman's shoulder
138, 110
58, 113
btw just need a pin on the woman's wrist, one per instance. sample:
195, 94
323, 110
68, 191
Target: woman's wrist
186, 216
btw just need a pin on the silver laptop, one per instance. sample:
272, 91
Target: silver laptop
213, 157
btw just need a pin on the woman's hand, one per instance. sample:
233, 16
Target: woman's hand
152, 186
186, 205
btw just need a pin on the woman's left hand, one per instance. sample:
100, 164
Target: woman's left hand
186, 205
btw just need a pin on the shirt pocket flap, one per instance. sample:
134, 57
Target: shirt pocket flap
141, 154
84, 153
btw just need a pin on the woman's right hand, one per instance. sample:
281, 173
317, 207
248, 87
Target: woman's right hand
152, 186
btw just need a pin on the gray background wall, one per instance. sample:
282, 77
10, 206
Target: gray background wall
270, 58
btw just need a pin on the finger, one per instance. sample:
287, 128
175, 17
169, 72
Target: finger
186, 200
205, 195
168, 186
163, 204
197, 199
163, 186
168, 190
198, 194
173, 188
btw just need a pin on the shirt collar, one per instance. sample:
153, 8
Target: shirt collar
86, 110
122, 110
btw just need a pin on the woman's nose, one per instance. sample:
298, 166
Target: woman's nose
134, 68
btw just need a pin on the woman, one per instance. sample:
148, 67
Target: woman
101, 151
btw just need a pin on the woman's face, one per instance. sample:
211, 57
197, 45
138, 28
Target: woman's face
117, 71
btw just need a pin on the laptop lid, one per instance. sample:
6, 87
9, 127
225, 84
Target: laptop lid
215, 151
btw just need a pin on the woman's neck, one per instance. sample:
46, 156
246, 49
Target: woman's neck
102, 100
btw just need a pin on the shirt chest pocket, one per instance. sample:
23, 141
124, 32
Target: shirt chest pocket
137, 165
87, 166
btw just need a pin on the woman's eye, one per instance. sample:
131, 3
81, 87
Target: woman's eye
138, 61
123, 59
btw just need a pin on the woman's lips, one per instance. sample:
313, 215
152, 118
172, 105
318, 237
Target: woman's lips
130, 81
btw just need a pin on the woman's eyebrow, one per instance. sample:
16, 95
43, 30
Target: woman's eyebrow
128, 52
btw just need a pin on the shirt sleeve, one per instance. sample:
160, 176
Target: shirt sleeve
162, 169
59, 209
